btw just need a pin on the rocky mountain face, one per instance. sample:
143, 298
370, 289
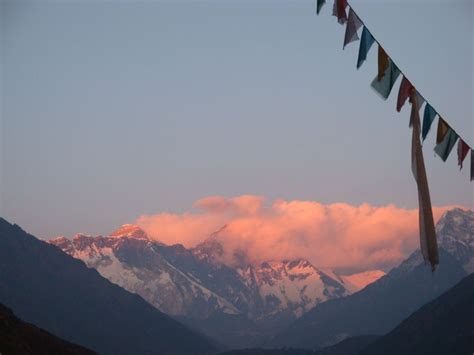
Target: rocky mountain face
195, 286
386, 302
138, 266
455, 232
194, 282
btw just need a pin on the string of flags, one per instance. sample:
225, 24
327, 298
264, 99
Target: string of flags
387, 75
383, 83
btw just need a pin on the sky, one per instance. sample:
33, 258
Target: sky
112, 111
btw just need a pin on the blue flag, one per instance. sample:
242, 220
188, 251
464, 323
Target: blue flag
366, 42
319, 5
444, 148
385, 85
428, 119
472, 164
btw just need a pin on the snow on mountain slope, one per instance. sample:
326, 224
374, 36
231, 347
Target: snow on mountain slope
137, 266
455, 234
295, 286
197, 284
194, 282
130, 230
455, 231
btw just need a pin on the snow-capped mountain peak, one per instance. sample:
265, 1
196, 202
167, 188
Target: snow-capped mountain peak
210, 251
199, 282
455, 231
205, 283
298, 269
293, 286
130, 231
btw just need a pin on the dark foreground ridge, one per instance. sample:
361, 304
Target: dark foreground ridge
443, 326
350, 346
259, 351
18, 337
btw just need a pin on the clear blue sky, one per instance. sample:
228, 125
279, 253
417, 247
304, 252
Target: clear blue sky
113, 109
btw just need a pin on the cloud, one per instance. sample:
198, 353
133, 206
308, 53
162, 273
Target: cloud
336, 236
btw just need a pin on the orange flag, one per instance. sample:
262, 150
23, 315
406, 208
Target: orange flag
403, 92
463, 149
383, 63
442, 130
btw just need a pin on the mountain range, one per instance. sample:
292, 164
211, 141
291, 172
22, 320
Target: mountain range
195, 286
241, 304
51, 290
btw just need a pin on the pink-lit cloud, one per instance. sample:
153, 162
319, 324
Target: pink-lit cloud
335, 236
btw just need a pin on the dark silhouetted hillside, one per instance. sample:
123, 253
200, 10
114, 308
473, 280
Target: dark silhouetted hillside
18, 337
259, 351
443, 326
350, 346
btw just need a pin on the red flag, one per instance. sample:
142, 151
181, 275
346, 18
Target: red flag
403, 93
339, 10
463, 149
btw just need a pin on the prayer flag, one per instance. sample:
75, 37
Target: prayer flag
339, 10
353, 25
319, 5
366, 42
428, 119
403, 92
472, 164
463, 149
442, 130
419, 100
384, 86
444, 148
383, 63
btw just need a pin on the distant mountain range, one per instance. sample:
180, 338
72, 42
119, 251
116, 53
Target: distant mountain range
58, 293
196, 287
18, 337
379, 307
240, 306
